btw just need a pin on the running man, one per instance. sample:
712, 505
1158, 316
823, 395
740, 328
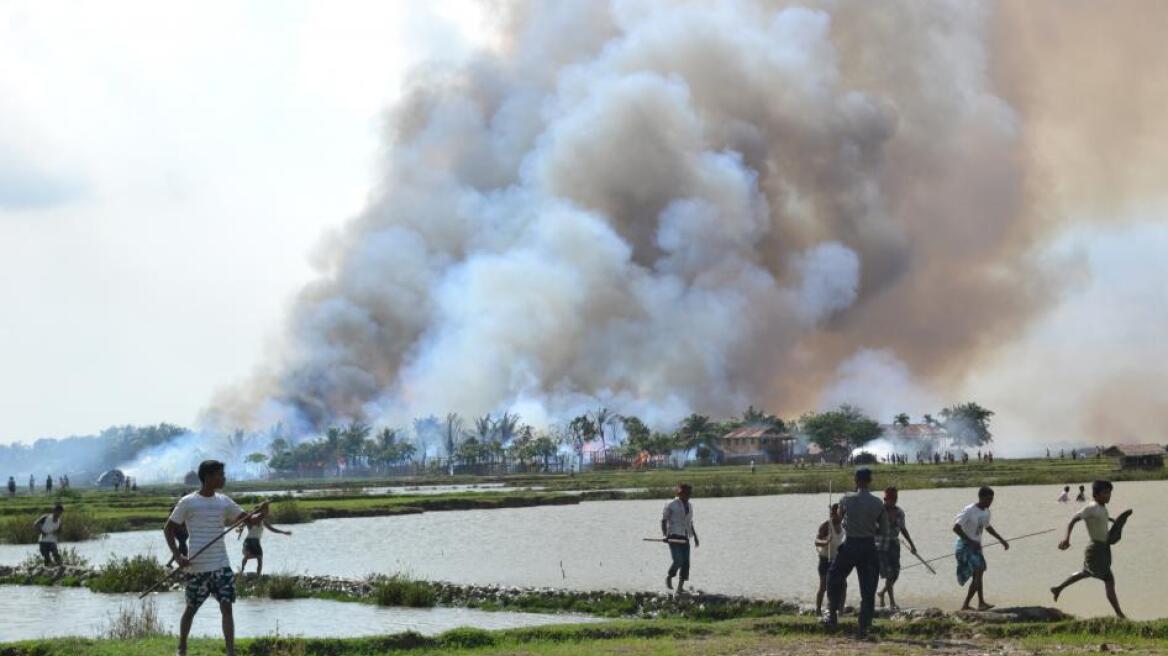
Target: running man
969, 525
1097, 555
827, 543
889, 545
205, 513
251, 544
863, 519
677, 527
48, 525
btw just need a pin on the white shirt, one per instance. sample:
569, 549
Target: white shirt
973, 521
256, 531
835, 537
49, 529
1095, 517
205, 518
677, 520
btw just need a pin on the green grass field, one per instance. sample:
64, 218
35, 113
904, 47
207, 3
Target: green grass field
773, 635
92, 512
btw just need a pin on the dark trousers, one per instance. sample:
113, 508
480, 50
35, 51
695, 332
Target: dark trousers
858, 553
680, 553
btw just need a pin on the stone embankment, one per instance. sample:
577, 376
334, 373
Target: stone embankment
607, 602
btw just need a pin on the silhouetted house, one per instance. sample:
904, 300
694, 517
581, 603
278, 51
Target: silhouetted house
924, 438
111, 478
761, 443
1137, 456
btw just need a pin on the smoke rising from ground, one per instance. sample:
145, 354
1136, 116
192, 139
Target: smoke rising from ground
666, 207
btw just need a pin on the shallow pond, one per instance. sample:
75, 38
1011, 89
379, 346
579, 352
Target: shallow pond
759, 546
31, 612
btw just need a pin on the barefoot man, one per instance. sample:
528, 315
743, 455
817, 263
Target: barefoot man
971, 564
251, 544
205, 514
1097, 555
889, 546
677, 527
827, 543
863, 519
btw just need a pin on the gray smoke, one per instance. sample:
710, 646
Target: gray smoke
666, 207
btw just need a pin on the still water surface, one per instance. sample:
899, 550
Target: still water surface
31, 612
758, 546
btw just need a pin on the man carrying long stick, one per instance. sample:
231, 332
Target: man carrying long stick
205, 513
677, 528
971, 564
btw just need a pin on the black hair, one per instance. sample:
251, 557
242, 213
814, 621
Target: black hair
685, 487
1101, 486
985, 491
864, 474
209, 467
62, 508
892, 489
835, 506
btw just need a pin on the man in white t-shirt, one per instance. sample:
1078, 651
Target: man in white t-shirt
969, 525
1097, 555
48, 525
205, 513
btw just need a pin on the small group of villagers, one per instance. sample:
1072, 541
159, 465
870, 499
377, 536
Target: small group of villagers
863, 533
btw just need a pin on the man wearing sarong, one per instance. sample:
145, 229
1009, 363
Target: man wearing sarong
677, 527
1097, 555
827, 544
969, 526
863, 519
888, 546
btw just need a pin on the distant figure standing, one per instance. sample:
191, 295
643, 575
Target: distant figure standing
1066, 495
1082, 494
971, 564
31, 484
863, 519
1097, 555
251, 544
48, 525
752, 466
827, 543
11, 486
677, 526
49, 484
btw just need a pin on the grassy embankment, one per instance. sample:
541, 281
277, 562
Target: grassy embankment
92, 512
772, 635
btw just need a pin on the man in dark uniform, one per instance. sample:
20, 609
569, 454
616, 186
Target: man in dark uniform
864, 519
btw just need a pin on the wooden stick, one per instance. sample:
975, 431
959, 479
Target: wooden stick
229, 529
923, 562
1020, 537
666, 540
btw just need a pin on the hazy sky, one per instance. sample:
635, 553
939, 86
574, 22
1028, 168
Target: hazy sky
168, 169
165, 171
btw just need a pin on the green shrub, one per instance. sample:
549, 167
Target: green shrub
398, 590
281, 587
288, 511
69, 558
134, 622
78, 524
19, 529
467, 638
135, 574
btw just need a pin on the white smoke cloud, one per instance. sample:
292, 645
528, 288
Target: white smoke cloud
655, 210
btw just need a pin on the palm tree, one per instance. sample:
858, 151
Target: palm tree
902, 420
353, 441
581, 431
696, 431
451, 433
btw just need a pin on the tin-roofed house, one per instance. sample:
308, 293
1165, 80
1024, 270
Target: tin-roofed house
760, 443
1137, 456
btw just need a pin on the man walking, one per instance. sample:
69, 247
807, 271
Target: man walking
889, 546
677, 527
827, 543
1097, 555
863, 519
205, 512
969, 525
48, 525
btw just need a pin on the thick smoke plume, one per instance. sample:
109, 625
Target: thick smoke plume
666, 207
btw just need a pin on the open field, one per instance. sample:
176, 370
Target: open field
745, 637
92, 512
